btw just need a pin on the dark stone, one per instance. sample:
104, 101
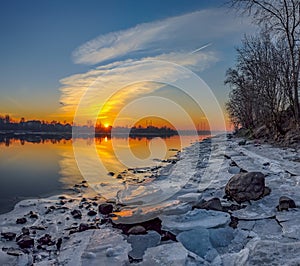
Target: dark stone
119, 176
166, 235
46, 240
62, 197
21, 220
36, 227
8, 236
233, 207
153, 225
246, 186
212, 204
105, 208
25, 242
91, 213
234, 222
33, 215
58, 243
76, 214
88, 206
83, 200
25, 231
111, 173
242, 142
285, 203
137, 230
14, 252
84, 227
62, 202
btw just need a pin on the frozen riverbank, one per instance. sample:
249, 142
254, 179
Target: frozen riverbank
194, 226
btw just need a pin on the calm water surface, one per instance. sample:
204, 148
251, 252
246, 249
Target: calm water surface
31, 170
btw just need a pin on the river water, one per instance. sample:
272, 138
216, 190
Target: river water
31, 169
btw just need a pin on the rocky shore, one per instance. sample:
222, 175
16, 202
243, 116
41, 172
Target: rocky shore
241, 207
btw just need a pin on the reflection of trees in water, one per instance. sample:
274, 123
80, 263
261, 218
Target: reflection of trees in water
9, 139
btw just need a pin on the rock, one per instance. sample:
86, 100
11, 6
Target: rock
33, 215
8, 236
14, 252
242, 142
84, 227
212, 204
233, 222
46, 240
25, 242
137, 230
76, 214
25, 231
105, 208
119, 176
140, 243
197, 218
21, 220
111, 173
58, 243
173, 254
91, 213
150, 225
246, 186
285, 203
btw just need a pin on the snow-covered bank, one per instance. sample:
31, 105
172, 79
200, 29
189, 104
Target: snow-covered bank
195, 226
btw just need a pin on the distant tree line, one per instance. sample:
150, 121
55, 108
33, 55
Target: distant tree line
7, 124
152, 131
265, 80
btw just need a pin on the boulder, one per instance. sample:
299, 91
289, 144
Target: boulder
246, 186
21, 221
46, 240
76, 214
212, 204
8, 235
25, 242
285, 203
105, 208
91, 213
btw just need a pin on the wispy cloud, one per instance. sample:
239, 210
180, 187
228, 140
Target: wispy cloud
183, 33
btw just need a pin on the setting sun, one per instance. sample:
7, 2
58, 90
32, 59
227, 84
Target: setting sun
106, 125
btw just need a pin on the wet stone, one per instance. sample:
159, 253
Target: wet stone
91, 213
76, 214
25, 242
105, 208
8, 236
21, 220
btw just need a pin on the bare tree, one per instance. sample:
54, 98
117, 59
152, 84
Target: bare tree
258, 96
283, 19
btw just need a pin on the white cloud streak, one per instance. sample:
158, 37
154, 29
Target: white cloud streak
182, 33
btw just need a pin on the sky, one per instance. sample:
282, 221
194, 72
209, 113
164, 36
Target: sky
52, 52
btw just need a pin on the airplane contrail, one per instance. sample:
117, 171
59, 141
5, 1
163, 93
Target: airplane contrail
202, 47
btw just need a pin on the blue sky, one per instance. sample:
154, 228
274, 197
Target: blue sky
45, 42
